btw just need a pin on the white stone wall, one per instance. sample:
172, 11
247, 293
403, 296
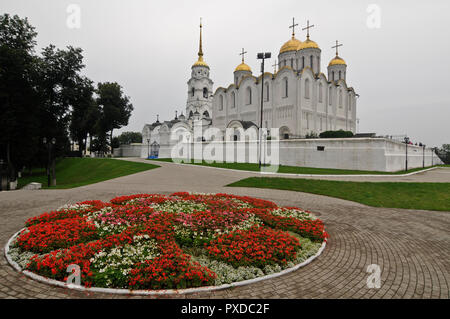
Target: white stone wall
369, 154
135, 150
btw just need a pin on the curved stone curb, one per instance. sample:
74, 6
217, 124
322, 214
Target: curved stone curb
152, 292
307, 175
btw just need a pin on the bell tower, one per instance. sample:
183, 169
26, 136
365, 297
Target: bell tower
199, 87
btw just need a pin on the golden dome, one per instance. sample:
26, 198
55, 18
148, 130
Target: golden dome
200, 62
308, 44
337, 61
243, 67
292, 45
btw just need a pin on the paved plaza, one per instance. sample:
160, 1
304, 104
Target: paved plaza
410, 246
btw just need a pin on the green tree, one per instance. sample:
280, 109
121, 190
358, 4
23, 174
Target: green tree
115, 107
84, 112
59, 79
19, 101
130, 137
444, 153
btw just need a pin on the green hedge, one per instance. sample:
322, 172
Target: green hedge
336, 134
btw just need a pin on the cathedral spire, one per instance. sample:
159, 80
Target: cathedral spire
200, 49
200, 61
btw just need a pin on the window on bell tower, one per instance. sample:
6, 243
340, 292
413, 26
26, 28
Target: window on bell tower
193, 91
205, 92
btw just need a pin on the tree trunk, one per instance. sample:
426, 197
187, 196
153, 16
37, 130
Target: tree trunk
110, 141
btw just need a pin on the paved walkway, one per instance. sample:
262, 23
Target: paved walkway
411, 247
433, 175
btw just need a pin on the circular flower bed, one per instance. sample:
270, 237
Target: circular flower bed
152, 241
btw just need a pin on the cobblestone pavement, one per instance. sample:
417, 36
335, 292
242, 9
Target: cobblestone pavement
411, 247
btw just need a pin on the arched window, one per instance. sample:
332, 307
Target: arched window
285, 87
249, 95
320, 93
303, 62
340, 98
311, 58
233, 100
330, 95
206, 115
332, 75
205, 92
191, 114
292, 63
193, 91
340, 75
220, 102
266, 89
307, 89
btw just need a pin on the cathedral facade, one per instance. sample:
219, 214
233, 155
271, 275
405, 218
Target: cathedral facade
299, 98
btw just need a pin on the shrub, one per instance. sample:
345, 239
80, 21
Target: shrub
336, 134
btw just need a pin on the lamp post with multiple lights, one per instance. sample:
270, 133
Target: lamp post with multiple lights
262, 57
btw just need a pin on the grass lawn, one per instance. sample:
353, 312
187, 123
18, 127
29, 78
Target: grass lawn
74, 172
427, 196
294, 169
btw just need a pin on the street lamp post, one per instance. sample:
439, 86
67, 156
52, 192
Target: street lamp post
51, 174
148, 148
423, 155
406, 158
262, 56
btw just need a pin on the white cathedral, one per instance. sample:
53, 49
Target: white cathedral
298, 98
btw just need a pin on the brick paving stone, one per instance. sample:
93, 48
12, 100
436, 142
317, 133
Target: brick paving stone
410, 246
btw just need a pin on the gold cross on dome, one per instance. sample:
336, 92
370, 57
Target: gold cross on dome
243, 54
337, 46
275, 67
293, 27
307, 28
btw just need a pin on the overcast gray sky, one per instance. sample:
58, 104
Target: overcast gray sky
401, 70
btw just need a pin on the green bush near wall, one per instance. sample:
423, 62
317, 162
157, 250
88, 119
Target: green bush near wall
336, 134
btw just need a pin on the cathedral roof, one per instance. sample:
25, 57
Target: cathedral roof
291, 45
243, 67
308, 44
337, 61
200, 62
